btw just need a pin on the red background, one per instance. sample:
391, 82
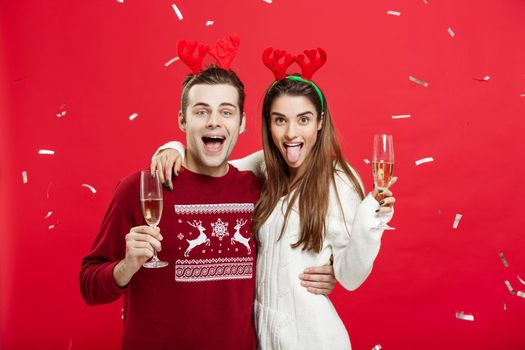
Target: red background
101, 61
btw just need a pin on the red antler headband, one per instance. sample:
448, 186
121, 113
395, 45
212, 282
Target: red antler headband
224, 51
278, 62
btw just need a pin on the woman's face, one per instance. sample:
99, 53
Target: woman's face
293, 125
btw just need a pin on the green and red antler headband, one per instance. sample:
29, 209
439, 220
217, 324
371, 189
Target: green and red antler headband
278, 62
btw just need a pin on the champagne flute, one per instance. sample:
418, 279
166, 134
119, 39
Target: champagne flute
151, 203
383, 167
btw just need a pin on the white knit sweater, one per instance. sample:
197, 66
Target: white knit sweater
287, 316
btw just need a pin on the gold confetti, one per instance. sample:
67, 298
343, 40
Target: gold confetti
417, 81
463, 316
46, 151
394, 13
133, 116
366, 161
402, 116
209, 23
521, 294
24, 177
90, 187
49, 213
377, 347
503, 260
268, 1
456, 221
511, 290
451, 32
174, 59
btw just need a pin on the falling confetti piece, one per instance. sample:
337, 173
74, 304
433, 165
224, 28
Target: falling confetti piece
402, 116
366, 161
451, 32
511, 290
48, 190
522, 95
417, 81
426, 2
177, 11
174, 59
209, 23
457, 219
521, 281
61, 112
24, 176
133, 116
50, 227
424, 160
505, 307
521, 294
90, 187
503, 260
49, 213
120, 1
46, 151
377, 347
463, 316
268, 1
394, 13
484, 79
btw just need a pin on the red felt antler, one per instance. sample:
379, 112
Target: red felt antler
272, 62
224, 50
186, 51
315, 62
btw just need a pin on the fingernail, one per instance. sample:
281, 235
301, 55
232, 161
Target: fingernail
379, 191
377, 210
382, 202
170, 188
306, 270
301, 276
161, 238
303, 283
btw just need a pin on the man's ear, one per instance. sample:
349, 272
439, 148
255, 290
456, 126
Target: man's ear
320, 122
242, 128
182, 122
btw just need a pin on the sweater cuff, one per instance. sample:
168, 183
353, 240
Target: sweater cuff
111, 285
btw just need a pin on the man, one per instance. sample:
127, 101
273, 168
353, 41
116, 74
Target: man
204, 298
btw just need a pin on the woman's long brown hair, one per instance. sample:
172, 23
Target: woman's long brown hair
311, 188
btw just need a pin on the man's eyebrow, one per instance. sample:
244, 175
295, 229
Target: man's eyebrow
200, 104
227, 104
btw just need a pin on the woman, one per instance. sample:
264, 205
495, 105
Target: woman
312, 207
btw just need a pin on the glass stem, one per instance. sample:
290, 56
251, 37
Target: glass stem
154, 258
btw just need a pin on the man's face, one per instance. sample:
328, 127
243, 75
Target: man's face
212, 125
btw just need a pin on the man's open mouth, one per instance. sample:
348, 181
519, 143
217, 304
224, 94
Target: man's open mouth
213, 143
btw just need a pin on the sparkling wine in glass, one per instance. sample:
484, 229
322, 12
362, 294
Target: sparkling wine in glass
151, 203
383, 167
